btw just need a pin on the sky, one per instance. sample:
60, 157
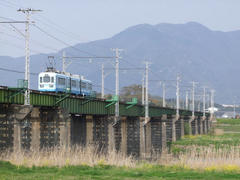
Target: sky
76, 21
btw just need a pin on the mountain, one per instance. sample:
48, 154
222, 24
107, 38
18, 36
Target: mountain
191, 50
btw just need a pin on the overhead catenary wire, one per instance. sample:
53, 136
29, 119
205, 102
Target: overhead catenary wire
61, 41
16, 71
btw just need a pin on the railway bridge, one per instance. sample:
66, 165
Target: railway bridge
60, 119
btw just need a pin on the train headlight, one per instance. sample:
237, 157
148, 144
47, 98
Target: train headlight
41, 86
51, 86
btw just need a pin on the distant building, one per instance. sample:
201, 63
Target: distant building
228, 115
229, 105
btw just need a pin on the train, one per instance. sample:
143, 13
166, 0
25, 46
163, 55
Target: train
63, 82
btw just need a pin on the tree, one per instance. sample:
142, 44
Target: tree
132, 91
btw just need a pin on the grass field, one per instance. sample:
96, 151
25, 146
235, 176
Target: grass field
212, 156
8, 171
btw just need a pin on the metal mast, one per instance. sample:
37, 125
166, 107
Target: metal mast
143, 90
193, 96
146, 96
164, 94
64, 61
186, 104
102, 94
204, 102
234, 111
177, 96
117, 51
212, 103
27, 53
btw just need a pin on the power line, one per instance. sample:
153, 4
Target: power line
16, 71
65, 32
11, 3
47, 22
43, 31
6, 5
17, 46
32, 40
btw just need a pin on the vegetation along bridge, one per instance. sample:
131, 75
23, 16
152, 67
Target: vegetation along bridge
63, 119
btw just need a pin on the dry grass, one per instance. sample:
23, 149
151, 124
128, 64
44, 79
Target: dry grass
195, 157
66, 156
218, 132
200, 157
214, 153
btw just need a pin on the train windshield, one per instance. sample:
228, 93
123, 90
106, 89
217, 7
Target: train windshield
46, 78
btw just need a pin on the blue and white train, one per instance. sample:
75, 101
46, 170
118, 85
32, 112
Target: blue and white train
54, 81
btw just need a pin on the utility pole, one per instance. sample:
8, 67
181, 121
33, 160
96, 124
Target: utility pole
177, 96
164, 94
146, 96
199, 106
102, 94
117, 51
193, 99
64, 62
234, 111
212, 104
186, 104
143, 90
204, 102
27, 53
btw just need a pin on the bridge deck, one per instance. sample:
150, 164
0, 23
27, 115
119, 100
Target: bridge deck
82, 105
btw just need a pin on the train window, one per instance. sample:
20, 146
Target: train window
52, 79
83, 85
61, 81
46, 78
90, 86
73, 83
40, 79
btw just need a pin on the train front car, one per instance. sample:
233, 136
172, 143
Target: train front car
47, 81
54, 81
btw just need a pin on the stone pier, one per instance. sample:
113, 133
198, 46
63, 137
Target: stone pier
36, 128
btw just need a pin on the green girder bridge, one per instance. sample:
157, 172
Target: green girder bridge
85, 105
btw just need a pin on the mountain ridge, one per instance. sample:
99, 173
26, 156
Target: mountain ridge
191, 49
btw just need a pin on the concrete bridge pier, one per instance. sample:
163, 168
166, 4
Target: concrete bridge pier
174, 119
169, 127
208, 123
113, 135
179, 127
182, 126
187, 125
135, 143
192, 126
158, 135
64, 127
89, 130
202, 122
145, 138
164, 137
18, 114
124, 135
172, 131
35, 118
196, 125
